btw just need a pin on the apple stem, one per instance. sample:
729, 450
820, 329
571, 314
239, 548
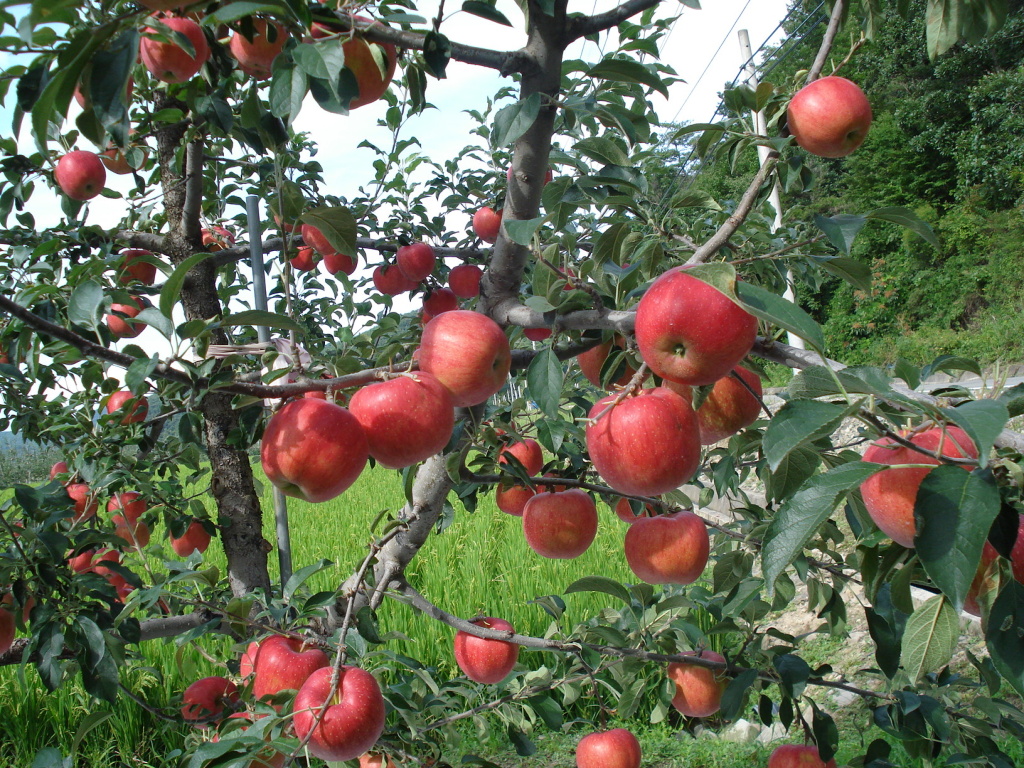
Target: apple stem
634, 386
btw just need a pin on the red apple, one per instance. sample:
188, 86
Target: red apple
304, 260
134, 533
169, 62
374, 760
512, 499
362, 62
204, 702
560, 525
698, 689
406, 419
464, 280
646, 445
136, 267
353, 720
255, 57
829, 117
80, 175
85, 501
312, 236
798, 756
728, 408
247, 664
668, 549
487, 224
285, 663
129, 503
195, 537
60, 468
415, 261
440, 300
625, 513
468, 353
339, 262
889, 495
537, 334
390, 281
689, 332
592, 361
313, 449
122, 397
120, 322
984, 581
527, 452
617, 748
217, 238
6, 630
484, 660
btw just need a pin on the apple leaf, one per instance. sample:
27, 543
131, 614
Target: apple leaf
84, 304
781, 312
299, 577
522, 232
826, 734
171, 291
155, 319
514, 120
323, 60
736, 692
627, 71
337, 224
982, 420
840, 230
797, 423
1003, 636
603, 150
793, 673
954, 512
804, 512
852, 271
906, 218
930, 637
1013, 399
288, 87
608, 247
486, 11
600, 584
109, 76
241, 9
544, 380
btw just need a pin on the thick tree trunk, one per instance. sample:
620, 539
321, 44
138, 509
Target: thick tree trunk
238, 506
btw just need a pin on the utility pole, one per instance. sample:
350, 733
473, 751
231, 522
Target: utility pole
259, 286
761, 125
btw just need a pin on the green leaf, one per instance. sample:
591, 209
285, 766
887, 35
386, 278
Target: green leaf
261, 318
906, 218
522, 231
1013, 399
89, 722
840, 230
950, 363
797, 423
485, 11
156, 319
793, 674
337, 224
544, 380
856, 273
736, 692
288, 87
299, 577
84, 304
954, 511
366, 624
437, 52
982, 420
548, 710
599, 584
930, 637
780, 312
800, 517
323, 60
137, 373
240, 9
523, 745
1003, 634
602, 149
514, 120
826, 734
627, 71
172, 288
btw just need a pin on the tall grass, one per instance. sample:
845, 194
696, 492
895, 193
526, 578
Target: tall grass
479, 565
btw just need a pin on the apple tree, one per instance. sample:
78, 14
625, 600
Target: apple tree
589, 331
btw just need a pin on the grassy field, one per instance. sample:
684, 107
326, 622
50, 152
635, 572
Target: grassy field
479, 565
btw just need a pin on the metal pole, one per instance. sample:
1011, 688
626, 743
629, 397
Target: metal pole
259, 287
761, 125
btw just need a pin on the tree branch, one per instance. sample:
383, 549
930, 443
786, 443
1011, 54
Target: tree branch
828, 41
581, 26
193, 206
746, 205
